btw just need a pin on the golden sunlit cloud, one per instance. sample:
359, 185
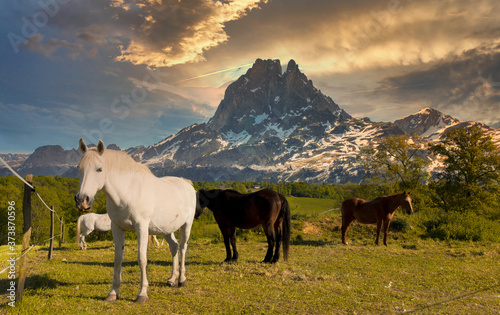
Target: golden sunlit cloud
206, 33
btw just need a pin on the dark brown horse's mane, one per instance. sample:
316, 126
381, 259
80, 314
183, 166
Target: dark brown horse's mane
232, 191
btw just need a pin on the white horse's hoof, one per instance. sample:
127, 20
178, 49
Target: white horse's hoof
183, 283
111, 298
141, 299
171, 284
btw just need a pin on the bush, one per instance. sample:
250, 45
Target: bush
463, 227
400, 225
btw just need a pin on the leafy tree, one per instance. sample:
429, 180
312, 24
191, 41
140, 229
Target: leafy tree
396, 160
472, 170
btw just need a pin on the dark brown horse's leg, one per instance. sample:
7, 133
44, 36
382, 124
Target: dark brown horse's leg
226, 234
346, 222
268, 230
233, 244
278, 236
379, 227
228, 249
386, 230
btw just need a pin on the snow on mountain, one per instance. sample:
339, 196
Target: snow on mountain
427, 122
270, 125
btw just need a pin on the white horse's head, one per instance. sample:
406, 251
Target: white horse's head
92, 175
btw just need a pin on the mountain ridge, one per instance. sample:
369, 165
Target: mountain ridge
271, 125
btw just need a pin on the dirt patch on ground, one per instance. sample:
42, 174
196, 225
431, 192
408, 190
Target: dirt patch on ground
316, 228
311, 228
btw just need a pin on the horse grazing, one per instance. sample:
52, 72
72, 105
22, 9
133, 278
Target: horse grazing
89, 222
245, 211
137, 200
379, 211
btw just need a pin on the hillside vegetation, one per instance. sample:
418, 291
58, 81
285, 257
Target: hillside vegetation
428, 221
425, 268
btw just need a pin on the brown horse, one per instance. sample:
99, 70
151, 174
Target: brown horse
379, 211
245, 211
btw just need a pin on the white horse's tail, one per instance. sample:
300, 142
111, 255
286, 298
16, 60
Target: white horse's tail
78, 223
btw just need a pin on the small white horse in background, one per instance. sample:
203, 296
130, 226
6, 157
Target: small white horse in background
89, 222
155, 241
137, 200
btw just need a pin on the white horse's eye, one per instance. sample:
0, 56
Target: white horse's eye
99, 170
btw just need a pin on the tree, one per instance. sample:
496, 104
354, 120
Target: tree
397, 160
472, 170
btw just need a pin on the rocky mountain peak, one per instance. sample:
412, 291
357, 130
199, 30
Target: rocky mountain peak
264, 68
425, 122
292, 66
266, 102
46, 154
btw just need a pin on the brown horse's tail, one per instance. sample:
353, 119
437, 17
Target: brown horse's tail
78, 223
285, 230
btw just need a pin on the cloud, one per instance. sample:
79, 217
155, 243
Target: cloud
342, 37
467, 86
48, 48
178, 32
92, 34
378, 58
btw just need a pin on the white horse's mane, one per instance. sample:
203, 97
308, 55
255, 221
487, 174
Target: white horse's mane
118, 160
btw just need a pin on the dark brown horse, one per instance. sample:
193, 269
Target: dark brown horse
379, 211
245, 211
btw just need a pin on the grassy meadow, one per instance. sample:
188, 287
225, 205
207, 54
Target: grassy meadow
322, 276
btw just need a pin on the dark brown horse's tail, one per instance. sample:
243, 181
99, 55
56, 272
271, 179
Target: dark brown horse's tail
285, 230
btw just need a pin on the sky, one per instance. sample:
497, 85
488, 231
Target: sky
133, 72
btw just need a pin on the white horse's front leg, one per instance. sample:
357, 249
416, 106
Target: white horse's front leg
142, 236
174, 249
119, 241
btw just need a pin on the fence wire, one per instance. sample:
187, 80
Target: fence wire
43, 202
29, 185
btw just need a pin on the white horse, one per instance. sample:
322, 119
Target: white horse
89, 222
137, 200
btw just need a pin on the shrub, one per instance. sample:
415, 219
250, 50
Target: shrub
464, 227
400, 225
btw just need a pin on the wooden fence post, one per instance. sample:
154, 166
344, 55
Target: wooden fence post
61, 232
51, 248
23, 265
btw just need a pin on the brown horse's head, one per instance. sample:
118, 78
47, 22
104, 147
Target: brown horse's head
204, 199
200, 206
406, 202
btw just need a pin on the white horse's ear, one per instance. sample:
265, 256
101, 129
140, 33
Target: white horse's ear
100, 147
82, 146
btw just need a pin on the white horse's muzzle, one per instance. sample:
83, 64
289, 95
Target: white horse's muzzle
83, 204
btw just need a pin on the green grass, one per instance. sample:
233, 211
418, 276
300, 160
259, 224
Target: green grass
437, 278
322, 275
312, 208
